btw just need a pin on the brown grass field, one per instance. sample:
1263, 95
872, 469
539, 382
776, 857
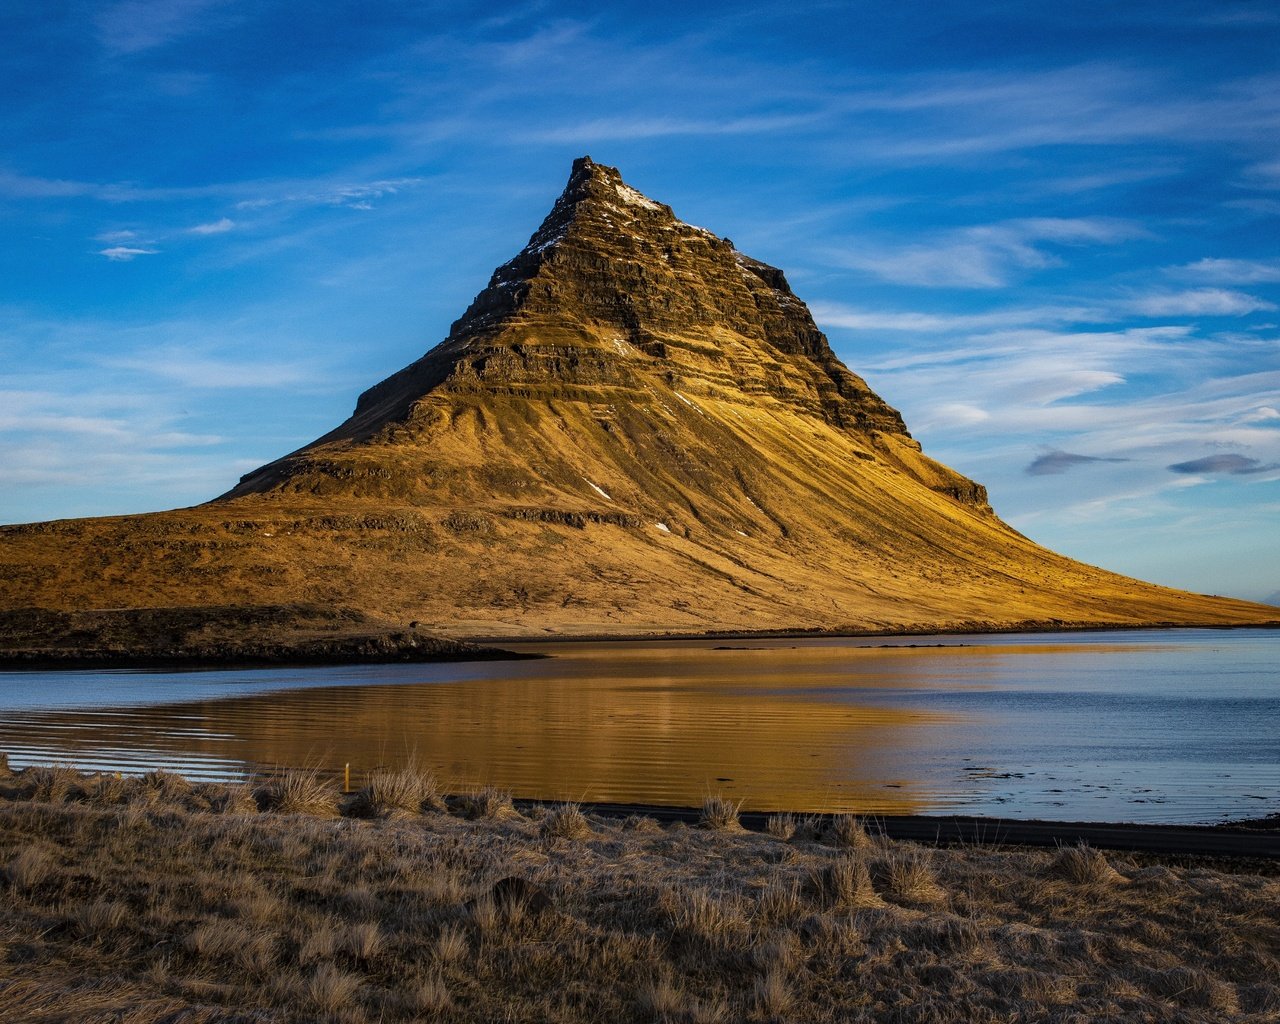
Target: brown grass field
155, 899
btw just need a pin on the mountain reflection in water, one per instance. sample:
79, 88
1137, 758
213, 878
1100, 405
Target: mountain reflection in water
1100, 726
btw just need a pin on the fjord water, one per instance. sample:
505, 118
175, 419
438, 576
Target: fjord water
1167, 726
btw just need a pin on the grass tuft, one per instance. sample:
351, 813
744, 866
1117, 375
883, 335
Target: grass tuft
660, 998
720, 815
909, 877
451, 944
29, 867
100, 919
781, 826
409, 790
489, 802
299, 791
431, 995
848, 831
330, 989
779, 903
705, 921
362, 941
52, 784
1084, 865
566, 822
846, 882
772, 993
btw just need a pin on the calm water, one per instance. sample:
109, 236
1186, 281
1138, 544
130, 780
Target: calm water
1174, 726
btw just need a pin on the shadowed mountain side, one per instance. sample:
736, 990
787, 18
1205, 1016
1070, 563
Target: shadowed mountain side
634, 428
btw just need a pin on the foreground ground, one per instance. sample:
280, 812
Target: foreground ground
155, 899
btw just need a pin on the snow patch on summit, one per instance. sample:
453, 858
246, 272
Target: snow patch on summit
633, 198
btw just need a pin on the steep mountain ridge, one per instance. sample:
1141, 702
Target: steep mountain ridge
633, 428
615, 301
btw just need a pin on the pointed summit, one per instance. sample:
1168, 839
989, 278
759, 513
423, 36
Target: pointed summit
612, 290
633, 428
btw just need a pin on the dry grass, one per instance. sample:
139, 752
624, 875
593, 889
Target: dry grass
566, 822
781, 826
846, 882
772, 994
299, 791
849, 832
408, 790
488, 802
148, 901
1084, 866
909, 875
720, 815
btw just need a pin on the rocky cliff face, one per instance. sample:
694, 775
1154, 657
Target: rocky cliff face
633, 428
615, 300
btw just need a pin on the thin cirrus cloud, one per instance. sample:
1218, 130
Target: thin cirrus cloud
133, 26
976, 113
985, 256
1231, 271
355, 194
1198, 302
216, 227
623, 128
125, 253
206, 372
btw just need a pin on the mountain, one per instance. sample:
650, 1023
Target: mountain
634, 428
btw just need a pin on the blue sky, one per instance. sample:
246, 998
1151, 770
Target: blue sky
1050, 234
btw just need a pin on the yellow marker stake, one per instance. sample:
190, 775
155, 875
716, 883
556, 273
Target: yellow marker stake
346, 778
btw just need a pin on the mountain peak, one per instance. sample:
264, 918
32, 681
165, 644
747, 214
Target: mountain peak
615, 300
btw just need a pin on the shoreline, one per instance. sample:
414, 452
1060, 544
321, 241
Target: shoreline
400, 647
963, 629
1253, 838
387, 648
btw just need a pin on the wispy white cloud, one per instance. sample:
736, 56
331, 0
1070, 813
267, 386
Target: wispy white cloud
125, 253
984, 256
216, 227
248, 194
1230, 271
970, 114
356, 194
1197, 302
131, 26
842, 315
648, 127
124, 235
200, 372
24, 186
1265, 174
